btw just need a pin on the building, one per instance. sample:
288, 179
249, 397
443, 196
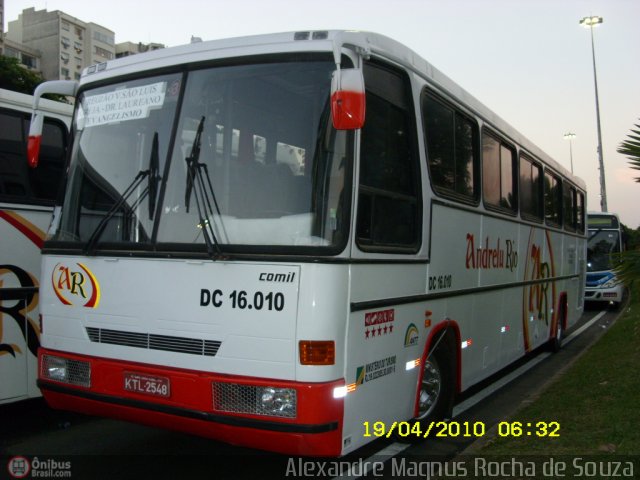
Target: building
125, 49
28, 57
67, 44
1, 27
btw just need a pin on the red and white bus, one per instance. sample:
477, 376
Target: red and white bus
274, 240
26, 203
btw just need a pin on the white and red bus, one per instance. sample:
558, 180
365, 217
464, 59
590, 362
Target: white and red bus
26, 202
274, 240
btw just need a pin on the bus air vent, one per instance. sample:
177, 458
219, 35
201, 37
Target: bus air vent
193, 346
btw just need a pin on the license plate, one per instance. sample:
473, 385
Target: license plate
147, 384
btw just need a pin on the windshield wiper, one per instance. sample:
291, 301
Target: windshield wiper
198, 180
154, 175
95, 236
151, 189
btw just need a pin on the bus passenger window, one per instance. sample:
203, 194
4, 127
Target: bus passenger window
451, 139
530, 190
389, 204
19, 183
552, 199
580, 212
13, 164
498, 168
569, 201
45, 180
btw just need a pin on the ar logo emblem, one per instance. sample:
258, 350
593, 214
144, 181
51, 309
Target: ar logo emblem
75, 286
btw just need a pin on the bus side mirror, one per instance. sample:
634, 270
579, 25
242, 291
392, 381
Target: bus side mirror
59, 87
35, 137
347, 99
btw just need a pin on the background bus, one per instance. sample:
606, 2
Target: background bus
246, 252
604, 243
26, 202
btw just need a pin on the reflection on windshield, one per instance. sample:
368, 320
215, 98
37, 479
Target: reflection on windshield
601, 245
122, 135
253, 161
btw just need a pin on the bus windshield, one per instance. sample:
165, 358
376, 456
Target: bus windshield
238, 158
600, 246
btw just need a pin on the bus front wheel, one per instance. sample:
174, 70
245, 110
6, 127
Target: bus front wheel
436, 389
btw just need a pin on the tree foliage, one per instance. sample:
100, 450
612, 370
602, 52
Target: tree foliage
16, 78
629, 268
631, 148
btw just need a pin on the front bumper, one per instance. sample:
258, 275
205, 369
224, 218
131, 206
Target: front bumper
189, 406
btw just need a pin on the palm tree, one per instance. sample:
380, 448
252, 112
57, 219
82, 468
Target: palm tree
631, 148
629, 269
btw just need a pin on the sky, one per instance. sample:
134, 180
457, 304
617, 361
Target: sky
527, 60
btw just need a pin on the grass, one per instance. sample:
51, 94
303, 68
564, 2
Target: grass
595, 401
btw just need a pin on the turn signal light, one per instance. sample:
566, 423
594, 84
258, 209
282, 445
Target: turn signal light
317, 352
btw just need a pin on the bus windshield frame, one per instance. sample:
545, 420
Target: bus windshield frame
601, 246
220, 159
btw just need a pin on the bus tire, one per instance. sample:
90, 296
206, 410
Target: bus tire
436, 391
555, 344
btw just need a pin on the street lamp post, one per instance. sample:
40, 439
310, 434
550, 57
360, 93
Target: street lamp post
590, 22
570, 136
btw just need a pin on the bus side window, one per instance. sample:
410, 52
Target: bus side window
530, 189
552, 199
570, 211
389, 202
45, 180
580, 212
451, 139
19, 183
498, 173
14, 181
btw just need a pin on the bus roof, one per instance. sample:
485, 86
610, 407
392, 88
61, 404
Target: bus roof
24, 103
317, 41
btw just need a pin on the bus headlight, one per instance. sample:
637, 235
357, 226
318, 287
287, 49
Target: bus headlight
255, 399
279, 401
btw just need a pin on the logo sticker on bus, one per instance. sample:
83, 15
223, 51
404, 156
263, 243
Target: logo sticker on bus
75, 285
411, 336
10, 275
500, 256
378, 323
374, 370
539, 295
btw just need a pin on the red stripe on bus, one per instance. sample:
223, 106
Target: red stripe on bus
25, 227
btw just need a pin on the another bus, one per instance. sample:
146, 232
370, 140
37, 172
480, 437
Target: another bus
273, 240
26, 200
604, 243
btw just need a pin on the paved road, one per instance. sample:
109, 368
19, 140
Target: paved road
100, 448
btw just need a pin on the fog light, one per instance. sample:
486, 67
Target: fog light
56, 368
278, 401
66, 370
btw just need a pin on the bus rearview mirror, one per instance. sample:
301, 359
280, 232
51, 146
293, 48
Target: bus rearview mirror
59, 87
347, 99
